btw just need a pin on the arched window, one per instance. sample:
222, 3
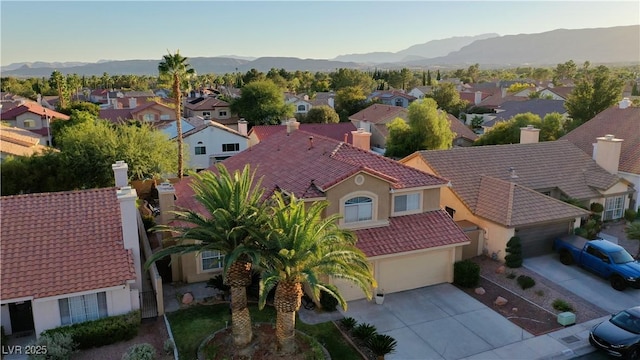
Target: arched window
399, 102
302, 108
357, 209
201, 149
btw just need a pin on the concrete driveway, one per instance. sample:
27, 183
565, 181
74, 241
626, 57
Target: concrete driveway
437, 322
583, 283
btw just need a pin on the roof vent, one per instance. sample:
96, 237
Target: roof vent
512, 173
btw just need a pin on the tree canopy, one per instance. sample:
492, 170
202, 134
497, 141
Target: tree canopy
596, 90
262, 103
350, 100
508, 132
322, 114
427, 129
448, 98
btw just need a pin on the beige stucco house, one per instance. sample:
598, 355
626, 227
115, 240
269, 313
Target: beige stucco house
33, 117
508, 190
19, 142
393, 209
69, 257
210, 108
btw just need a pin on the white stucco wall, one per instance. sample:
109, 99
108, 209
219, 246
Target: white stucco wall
635, 180
46, 314
5, 319
212, 138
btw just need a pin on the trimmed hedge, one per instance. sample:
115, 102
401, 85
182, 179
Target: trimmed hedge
101, 332
466, 273
526, 282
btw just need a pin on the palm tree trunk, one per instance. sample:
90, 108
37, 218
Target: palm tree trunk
287, 301
239, 277
177, 93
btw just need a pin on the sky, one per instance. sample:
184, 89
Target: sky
89, 31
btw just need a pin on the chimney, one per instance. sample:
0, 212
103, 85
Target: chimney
292, 125
331, 102
478, 98
310, 142
39, 100
361, 139
512, 173
166, 201
133, 103
503, 91
624, 103
129, 218
242, 127
114, 103
606, 152
120, 173
529, 135
346, 137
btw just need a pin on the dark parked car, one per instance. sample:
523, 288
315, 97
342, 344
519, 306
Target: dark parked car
620, 336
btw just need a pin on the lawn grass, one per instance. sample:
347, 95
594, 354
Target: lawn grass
192, 325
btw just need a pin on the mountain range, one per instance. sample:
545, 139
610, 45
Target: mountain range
600, 45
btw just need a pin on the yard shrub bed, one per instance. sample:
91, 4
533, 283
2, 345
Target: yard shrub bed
101, 332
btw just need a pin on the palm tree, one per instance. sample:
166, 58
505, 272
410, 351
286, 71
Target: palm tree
302, 248
175, 69
233, 220
633, 233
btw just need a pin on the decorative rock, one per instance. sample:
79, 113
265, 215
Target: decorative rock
515, 309
187, 298
480, 291
500, 301
501, 270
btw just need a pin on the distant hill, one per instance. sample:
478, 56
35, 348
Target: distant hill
42, 64
427, 50
601, 45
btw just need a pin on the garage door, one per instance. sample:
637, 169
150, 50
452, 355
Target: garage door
348, 290
411, 272
538, 240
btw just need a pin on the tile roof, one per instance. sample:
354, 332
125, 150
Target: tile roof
34, 108
410, 233
623, 123
562, 91
495, 100
540, 107
538, 166
19, 142
116, 116
332, 131
289, 163
61, 243
380, 114
390, 94
205, 103
470, 97
461, 130
200, 124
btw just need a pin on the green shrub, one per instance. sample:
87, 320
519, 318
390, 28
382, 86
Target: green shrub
596, 207
511, 275
103, 331
328, 302
513, 259
217, 282
526, 282
466, 273
348, 322
364, 331
561, 305
630, 215
168, 346
581, 232
59, 346
144, 351
382, 344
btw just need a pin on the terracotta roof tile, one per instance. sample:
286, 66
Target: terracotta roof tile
34, 108
380, 114
60, 243
205, 103
539, 166
623, 123
332, 131
461, 130
410, 233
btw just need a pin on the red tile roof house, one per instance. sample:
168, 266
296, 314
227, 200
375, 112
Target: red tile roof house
515, 189
33, 117
376, 117
623, 121
393, 209
338, 132
211, 108
69, 257
138, 109
392, 97
18, 142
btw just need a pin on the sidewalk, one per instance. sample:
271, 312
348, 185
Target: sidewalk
570, 342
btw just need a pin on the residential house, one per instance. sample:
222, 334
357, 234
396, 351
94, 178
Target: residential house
210, 108
323, 98
207, 141
622, 120
69, 257
376, 117
419, 92
301, 104
338, 132
473, 98
147, 112
33, 117
556, 93
18, 142
540, 107
516, 190
392, 208
392, 97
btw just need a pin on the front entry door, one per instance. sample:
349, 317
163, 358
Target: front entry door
21, 317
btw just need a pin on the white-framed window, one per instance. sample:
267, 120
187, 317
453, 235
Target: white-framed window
165, 117
29, 124
200, 148
149, 117
206, 114
613, 208
230, 147
302, 108
399, 102
359, 208
82, 308
222, 113
211, 260
406, 202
